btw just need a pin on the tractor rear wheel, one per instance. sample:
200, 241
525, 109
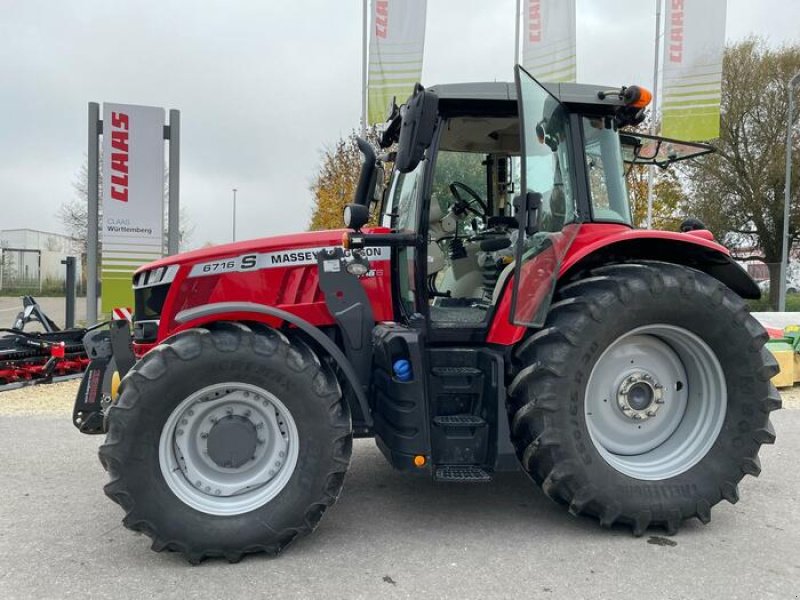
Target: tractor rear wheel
646, 396
227, 441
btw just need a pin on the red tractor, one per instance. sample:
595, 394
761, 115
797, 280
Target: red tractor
505, 315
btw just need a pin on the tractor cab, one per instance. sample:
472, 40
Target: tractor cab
490, 185
491, 176
492, 182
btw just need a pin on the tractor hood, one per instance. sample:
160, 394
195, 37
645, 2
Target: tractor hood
308, 239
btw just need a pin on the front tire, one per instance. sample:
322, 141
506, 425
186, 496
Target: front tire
646, 396
227, 441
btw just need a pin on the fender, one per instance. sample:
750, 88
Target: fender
597, 244
244, 308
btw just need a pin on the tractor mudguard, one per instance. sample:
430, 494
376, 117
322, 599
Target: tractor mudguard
220, 308
602, 243
695, 249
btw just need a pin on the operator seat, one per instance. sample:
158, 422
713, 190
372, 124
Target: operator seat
436, 256
501, 281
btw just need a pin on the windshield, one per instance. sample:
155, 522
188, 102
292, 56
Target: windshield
548, 165
606, 171
403, 197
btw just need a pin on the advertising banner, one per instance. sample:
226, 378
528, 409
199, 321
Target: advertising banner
396, 45
548, 39
132, 218
694, 41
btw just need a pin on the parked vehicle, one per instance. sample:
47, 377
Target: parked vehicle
517, 322
33, 357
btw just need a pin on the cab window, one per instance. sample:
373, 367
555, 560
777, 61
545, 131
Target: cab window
606, 171
405, 197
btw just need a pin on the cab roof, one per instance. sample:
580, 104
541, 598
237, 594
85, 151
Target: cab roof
493, 91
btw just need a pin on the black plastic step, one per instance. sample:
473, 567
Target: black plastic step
455, 371
462, 474
459, 421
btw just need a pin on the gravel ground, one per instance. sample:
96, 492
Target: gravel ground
56, 398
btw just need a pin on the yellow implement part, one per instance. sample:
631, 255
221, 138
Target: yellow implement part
785, 355
796, 367
115, 385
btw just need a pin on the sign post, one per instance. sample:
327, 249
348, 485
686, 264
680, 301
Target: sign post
92, 191
132, 222
133, 197
173, 222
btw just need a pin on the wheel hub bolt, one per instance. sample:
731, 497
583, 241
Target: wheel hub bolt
640, 396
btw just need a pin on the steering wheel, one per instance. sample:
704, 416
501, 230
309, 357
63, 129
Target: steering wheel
455, 186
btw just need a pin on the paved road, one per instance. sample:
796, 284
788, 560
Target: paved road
55, 308
392, 536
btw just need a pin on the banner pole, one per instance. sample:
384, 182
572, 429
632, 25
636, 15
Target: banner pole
92, 191
364, 27
653, 115
787, 197
174, 207
516, 35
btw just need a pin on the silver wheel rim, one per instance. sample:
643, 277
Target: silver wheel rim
205, 475
655, 402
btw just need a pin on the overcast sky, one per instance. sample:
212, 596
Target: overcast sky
262, 86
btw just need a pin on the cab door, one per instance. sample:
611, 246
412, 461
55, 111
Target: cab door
547, 203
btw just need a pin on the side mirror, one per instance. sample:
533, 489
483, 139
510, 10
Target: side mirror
355, 216
417, 128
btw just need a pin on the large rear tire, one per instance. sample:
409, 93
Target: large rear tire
646, 396
227, 441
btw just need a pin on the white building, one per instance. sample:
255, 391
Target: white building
31, 259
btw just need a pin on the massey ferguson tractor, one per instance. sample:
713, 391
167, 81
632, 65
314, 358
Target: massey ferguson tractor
505, 315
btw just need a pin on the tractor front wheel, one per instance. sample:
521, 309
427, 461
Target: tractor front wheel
646, 396
226, 441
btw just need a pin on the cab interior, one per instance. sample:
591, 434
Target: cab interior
473, 173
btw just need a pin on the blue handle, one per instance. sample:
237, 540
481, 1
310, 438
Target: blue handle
402, 369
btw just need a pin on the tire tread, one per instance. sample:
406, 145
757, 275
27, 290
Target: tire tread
186, 346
